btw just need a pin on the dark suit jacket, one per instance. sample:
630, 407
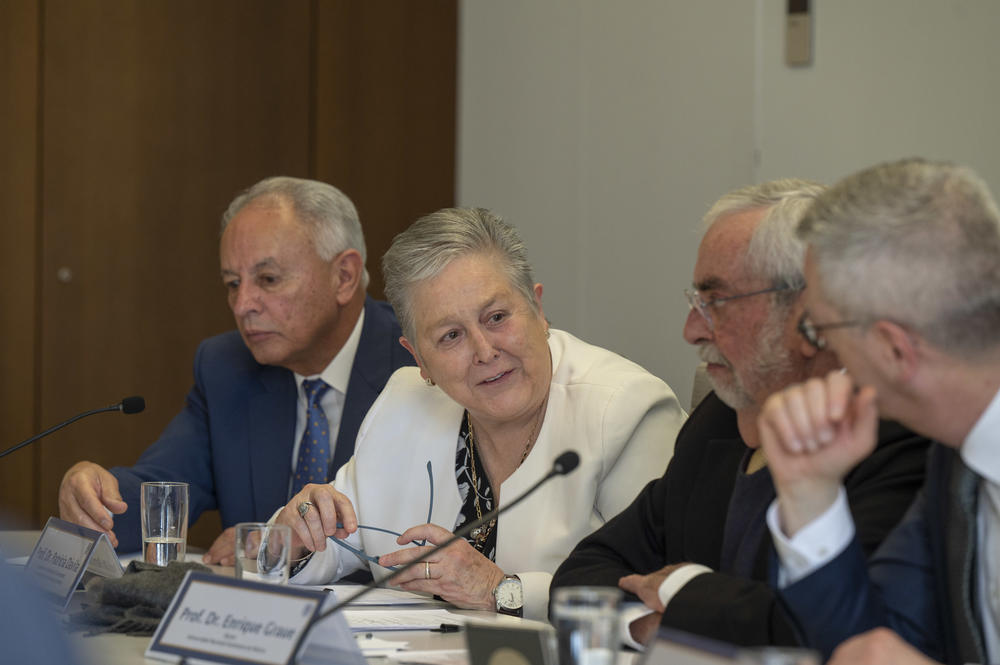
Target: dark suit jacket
233, 440
919, 583
681, 517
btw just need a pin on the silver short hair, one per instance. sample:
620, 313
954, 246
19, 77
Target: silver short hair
914, 242
327, 213
775, 252
432, 242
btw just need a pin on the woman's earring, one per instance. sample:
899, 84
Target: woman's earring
429, 381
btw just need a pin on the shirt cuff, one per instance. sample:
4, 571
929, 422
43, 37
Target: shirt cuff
677, 579
815, 544
631, 612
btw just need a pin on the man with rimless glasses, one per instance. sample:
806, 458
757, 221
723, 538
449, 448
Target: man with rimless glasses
693, 545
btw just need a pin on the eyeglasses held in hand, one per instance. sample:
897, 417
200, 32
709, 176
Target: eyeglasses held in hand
374, 559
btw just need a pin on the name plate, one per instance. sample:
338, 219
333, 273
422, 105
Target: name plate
223, 620
64, 552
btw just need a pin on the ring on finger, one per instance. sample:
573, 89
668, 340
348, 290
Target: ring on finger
427, 570
304, 508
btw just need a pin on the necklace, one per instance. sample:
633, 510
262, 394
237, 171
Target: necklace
481, 533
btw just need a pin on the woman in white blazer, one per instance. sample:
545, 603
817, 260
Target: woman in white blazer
496, 398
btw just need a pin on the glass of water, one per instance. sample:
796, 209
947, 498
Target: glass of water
263, 551
164, 514
586, 621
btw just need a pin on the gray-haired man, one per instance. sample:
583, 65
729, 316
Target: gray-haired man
310, 345
693, 545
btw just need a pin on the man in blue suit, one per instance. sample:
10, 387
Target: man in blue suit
903, 282
309, 346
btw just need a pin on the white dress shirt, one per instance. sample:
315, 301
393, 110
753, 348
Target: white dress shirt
824, 538
336, 375
668, 588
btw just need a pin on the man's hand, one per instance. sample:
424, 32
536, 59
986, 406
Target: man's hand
878, 647
223, 550
644, 628
814, 433
88, 496
647, 587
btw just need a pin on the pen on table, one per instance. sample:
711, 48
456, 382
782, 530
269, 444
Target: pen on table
447, 628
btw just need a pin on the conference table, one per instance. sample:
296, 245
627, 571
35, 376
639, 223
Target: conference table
117, 649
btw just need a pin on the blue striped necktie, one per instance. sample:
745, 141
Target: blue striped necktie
314, 450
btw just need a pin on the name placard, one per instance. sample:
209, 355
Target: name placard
223, 620
64, 552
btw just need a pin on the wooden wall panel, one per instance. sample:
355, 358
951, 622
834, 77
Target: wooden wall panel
385, 111
18, 254
127, 126
156, 113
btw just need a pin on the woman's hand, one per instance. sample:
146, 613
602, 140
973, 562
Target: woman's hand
458, 573
310, 528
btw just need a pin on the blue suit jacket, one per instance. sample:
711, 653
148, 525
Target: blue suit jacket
233, 440
919, 583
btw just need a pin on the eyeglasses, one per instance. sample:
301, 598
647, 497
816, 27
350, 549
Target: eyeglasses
701, 306
374, 559
811, 331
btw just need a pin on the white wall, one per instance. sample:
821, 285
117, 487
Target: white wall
603, 130
891, 79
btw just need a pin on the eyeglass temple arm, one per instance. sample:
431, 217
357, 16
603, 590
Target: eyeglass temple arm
430, 507
359, 553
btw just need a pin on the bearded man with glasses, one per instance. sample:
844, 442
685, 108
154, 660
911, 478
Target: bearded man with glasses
693, 546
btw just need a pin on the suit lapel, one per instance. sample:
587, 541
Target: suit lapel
372, 368
271, 420
960, 546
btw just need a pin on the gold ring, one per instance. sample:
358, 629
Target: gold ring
304, 508
427, 570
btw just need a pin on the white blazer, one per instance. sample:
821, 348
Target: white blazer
621, 420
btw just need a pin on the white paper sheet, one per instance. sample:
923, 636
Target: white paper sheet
379, 596
438, 657
374, 646
373, 620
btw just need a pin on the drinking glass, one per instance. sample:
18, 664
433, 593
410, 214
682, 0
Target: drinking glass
263, 551
164, 513
586, 621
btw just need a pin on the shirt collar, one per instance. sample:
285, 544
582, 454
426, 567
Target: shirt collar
981, 449
338, 373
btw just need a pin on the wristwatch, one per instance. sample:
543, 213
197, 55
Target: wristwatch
509, 596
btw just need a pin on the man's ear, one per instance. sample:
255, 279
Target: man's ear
897, 350
347, 269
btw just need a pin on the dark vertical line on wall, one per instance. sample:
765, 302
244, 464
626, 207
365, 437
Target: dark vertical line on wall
313, 84
36, 453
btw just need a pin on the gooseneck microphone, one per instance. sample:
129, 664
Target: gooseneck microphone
561, 466
133, 404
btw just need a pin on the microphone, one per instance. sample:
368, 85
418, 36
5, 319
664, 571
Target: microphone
562, 465
133, 404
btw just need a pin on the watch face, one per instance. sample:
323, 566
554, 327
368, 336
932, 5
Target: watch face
509, 594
